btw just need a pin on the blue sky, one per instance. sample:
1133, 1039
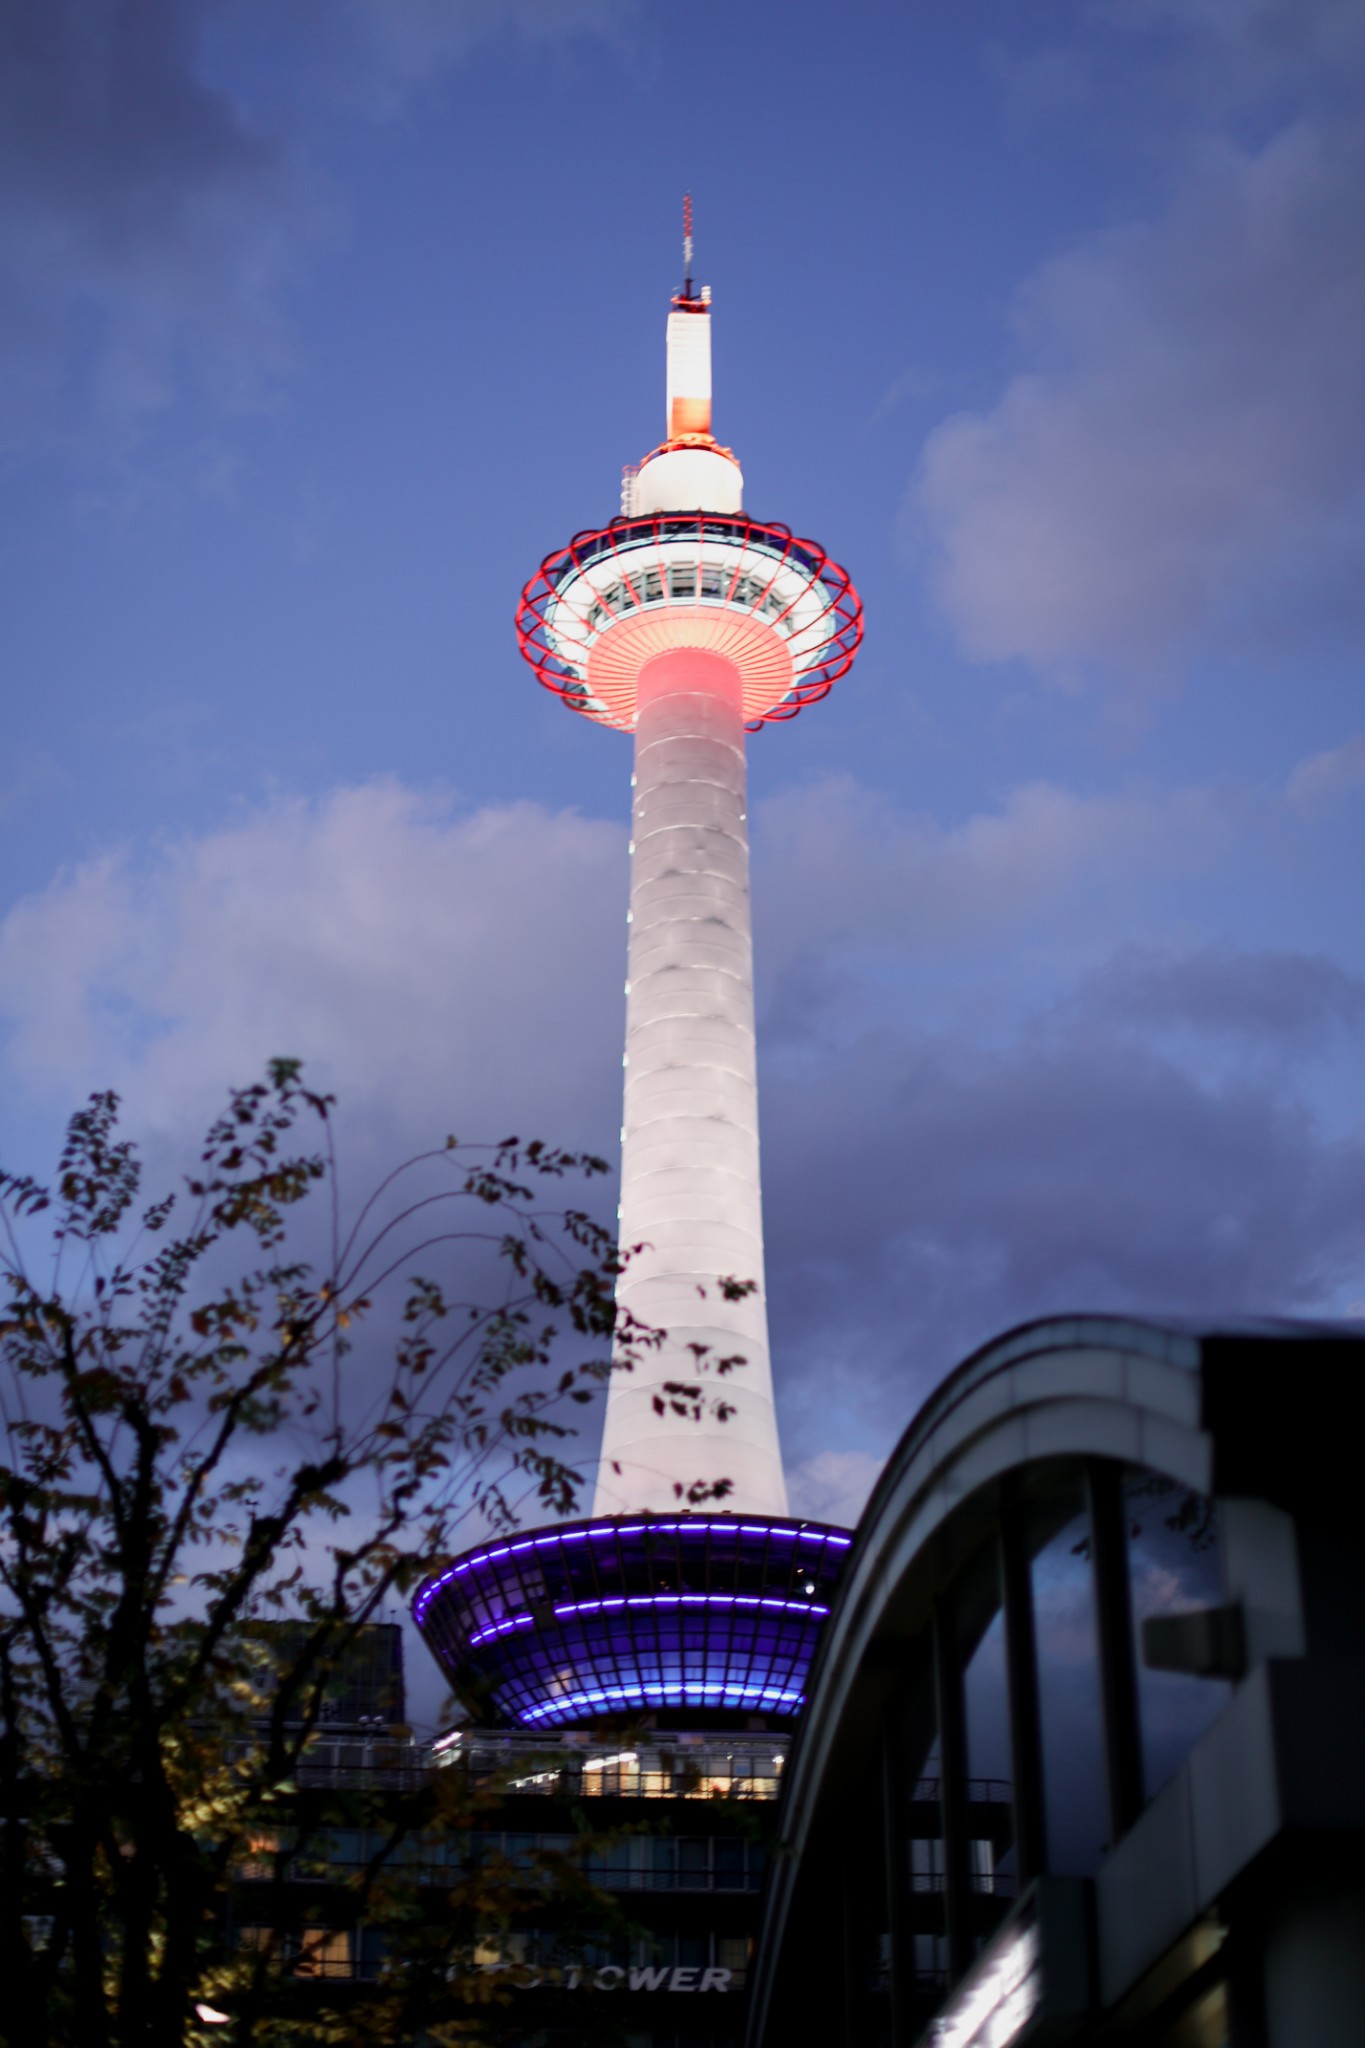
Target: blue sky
323, 323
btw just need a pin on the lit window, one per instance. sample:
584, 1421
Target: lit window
325, 1952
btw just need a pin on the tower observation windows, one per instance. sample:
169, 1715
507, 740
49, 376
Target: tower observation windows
762, 573
767, 593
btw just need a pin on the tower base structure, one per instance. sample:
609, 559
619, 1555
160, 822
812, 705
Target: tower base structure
695, 1621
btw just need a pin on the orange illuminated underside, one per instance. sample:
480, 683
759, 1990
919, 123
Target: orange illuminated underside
760, 655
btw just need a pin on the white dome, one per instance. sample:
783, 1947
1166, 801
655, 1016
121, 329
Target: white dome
689, 480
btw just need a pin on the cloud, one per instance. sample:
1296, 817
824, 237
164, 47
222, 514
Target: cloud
925, 1192
1318, 784
833, 1486
144, 214
1056, 1145
1181, 457
152, 211
842, 870
977, 1109
1275, 999
391, 49
438, 968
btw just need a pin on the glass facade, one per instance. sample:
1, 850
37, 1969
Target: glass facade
979, 1622
1174, 1567
1022, 1716
1067, 1662
628, 1615
1119, 1561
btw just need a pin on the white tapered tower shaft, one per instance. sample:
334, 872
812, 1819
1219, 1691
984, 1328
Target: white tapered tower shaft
687, 623
690, 1192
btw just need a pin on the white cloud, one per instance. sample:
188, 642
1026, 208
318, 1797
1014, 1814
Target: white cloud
1318, 784
926, 1183
844, 867
434, 967
1183, 455
833, 1486
430, 962
405, 44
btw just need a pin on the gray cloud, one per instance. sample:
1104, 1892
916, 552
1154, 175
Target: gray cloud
925, 1185
922, 1194
151, 211
1318, 784
833, 1486
143, 210
1274, 999
852, 870
388, 49
1181, 456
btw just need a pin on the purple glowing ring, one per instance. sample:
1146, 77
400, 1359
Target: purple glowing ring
611, 1699
696, 1614
687, 1600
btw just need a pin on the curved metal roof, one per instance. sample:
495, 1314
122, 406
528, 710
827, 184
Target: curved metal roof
1233, 1405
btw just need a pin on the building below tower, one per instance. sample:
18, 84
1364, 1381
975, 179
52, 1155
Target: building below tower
637, 1675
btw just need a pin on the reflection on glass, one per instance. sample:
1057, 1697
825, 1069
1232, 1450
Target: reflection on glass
980, 1631
1068, 1680
928, 1920
1173, 1567
1204, 2024
922, 1831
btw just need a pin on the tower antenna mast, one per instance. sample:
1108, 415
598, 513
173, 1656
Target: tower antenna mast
687, 245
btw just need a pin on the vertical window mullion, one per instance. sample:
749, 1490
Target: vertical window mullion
895, 1848
852, 1931
1021, 1653
1114, 1631
952, 1792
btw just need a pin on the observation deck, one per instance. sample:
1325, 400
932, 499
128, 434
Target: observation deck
776, 607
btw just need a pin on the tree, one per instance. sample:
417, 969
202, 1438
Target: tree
216, 1470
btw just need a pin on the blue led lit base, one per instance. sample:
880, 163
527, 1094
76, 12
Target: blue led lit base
693, 1618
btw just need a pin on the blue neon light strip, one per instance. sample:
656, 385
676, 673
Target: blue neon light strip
724, 1691
614, 1604
604, 1530
500, 1628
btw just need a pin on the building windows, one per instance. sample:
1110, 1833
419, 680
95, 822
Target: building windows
636, 1862
979, 1623
313, 1952
1067, 1664
1174, 1567
1026, 1730
325, 1952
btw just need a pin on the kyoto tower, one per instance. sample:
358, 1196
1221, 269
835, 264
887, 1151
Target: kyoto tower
688, 624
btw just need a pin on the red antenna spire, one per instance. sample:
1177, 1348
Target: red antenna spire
687, 244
